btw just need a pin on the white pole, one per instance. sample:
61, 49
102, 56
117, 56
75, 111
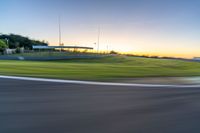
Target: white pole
59, 32
98, 40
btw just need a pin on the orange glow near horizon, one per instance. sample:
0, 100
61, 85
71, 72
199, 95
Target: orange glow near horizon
136, 47
188, 54
141, 40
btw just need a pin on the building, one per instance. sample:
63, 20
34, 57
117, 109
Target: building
13, 51
60, 47
196, 58
9, 51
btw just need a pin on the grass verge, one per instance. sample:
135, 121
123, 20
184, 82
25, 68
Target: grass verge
102, 69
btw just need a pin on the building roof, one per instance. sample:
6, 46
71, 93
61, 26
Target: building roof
54, 47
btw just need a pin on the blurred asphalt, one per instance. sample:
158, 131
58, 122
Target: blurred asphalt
44, 107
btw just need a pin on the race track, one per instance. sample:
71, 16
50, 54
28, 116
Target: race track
45, 107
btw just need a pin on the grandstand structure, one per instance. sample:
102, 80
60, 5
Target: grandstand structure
39, 47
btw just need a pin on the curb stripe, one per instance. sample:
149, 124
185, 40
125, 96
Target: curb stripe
97, 83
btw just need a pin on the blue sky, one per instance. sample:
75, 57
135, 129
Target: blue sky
156, 27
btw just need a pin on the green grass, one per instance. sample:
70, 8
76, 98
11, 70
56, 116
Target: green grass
106, 68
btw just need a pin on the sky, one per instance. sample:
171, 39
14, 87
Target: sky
145, 27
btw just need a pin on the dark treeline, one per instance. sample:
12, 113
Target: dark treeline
18, 41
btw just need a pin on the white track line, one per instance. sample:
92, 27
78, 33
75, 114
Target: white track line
96, 83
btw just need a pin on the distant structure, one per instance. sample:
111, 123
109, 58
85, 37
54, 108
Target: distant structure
37, 47
98, 39
196, 58
60, 44
60, 37
9, 51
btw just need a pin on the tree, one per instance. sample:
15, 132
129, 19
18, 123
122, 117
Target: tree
113, 52
16, 41
3, 46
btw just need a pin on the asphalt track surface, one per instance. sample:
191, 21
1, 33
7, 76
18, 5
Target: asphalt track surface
45, 107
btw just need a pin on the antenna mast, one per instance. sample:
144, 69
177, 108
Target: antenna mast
60, 43
98, 39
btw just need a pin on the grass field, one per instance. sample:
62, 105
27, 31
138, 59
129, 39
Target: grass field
106, 68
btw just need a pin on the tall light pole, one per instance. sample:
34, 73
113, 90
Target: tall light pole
98, 39
59, 31
95, 47
60, 37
